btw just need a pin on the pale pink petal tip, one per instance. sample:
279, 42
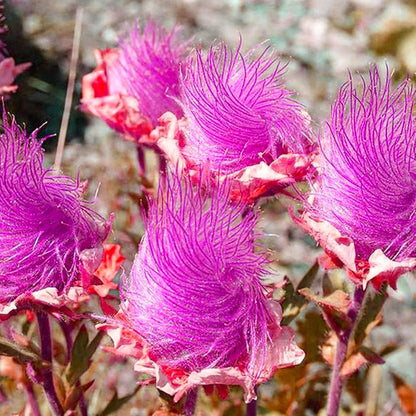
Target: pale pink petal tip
98, 270
48, 297
340, 252
282, 352
8, 73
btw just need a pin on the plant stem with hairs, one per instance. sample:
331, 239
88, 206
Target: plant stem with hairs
46, 353
337, 381
252, 408
141, 161
31, 399
190, 403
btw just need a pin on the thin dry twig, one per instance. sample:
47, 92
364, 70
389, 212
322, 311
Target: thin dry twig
70, 88
374, 378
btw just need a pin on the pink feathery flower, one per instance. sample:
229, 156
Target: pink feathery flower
241, 120
136, 83
238, 110
45, 224
362, 207
149, 68
195, 295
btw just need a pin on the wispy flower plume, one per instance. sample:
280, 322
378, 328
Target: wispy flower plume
366, 189
150, 61
238, 110
134, 84
195, 293
45, 224
240, 123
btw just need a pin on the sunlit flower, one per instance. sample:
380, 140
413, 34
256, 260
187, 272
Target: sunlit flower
136, 83
195, 296
363, 206
242, 121
238, 110
150, 63
102, 281
46, 226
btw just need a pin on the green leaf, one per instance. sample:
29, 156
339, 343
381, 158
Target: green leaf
79, 361
371, 356
371, 309
20, 353
293, 302
337, 301
117, 402
75, 394
92, 347
81, 353
309, 277
334, 307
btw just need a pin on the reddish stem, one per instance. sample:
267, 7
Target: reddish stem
83, 406
190, 402
162, 165
252, 408
46, 353
141, 161
337, 381
67, 332
31, 399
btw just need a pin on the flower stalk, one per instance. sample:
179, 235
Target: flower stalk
190, 403
46, 354
344, 336
141, 161
31, 399
252, 408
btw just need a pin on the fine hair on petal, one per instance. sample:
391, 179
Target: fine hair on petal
239, 112
367, 186
195, 292
149, 66
45, 223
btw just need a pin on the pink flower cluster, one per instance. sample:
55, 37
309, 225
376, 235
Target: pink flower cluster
9, 70
51, 240
238, 118
195, 309
361, 207
233, 133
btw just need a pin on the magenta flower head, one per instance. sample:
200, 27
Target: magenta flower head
45, 224
195, 294
149, 68
367, 184
238, 110
240, 119
136, 83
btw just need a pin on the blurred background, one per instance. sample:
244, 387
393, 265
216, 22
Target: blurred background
321, 40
